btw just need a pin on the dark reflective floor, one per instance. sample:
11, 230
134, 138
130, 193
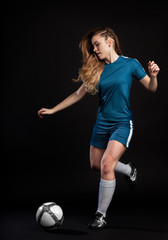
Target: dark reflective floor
139, 224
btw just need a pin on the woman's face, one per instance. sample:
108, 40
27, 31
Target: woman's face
101, 46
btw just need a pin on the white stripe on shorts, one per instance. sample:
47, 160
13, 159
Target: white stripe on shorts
130, 134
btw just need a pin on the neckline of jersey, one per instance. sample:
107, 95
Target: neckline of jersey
113, 62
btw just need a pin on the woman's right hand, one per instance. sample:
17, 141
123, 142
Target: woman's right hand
73, 98
45, 111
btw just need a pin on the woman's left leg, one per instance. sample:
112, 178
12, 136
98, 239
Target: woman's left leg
107, 184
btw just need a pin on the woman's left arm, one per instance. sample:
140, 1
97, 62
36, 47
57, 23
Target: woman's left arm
150, 82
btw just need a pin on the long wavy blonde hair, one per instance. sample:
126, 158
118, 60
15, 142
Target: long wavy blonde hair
92, 66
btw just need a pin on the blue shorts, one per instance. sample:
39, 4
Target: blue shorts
104, 131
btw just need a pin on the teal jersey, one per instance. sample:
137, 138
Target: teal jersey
114, 88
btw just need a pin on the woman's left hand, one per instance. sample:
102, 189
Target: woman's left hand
153, 68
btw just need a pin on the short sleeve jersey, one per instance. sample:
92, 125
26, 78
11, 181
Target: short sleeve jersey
114, 88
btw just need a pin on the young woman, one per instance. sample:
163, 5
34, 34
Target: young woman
107, 72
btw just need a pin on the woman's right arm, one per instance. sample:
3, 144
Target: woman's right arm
73, 98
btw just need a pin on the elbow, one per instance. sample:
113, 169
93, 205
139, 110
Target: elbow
77, 95
153, 90
153, 84
80, 93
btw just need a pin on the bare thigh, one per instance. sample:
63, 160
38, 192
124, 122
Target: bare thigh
96, 155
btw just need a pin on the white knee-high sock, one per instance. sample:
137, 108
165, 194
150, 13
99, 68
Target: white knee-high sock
123, 168
106, 191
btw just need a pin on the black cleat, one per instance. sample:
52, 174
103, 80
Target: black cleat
99, 222
132, 178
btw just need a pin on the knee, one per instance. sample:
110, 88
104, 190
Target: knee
108, 164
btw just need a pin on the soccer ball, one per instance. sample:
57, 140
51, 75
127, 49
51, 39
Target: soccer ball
49, 215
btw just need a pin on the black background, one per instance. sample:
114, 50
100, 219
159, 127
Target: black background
48, 159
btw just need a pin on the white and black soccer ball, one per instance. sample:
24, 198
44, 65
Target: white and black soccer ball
49, 215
